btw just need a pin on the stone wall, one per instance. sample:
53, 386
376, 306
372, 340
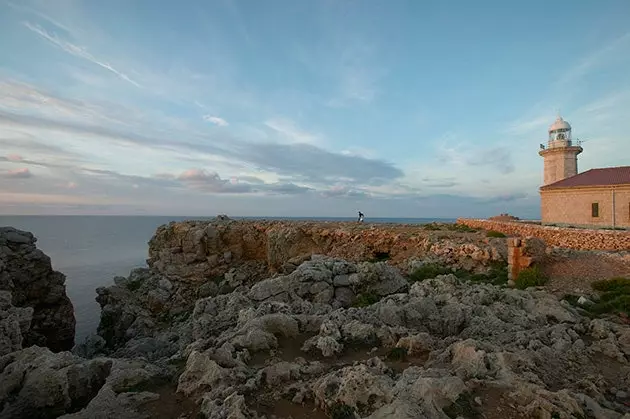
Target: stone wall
570, 238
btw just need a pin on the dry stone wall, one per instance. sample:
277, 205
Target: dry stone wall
570, 238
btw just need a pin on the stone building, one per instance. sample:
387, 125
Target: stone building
595, 198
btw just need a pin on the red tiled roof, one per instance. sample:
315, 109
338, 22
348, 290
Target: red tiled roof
607, 176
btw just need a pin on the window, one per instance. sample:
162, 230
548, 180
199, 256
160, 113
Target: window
595, 209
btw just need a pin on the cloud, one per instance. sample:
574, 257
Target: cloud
216, 120
250, 179
77, 51
14, 157
344, 192
439, 182
212, 182
313, 164
289, 130
22, 173
616, 49
498, 158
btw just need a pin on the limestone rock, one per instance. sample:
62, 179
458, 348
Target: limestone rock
26, 272
14, 324
35, 382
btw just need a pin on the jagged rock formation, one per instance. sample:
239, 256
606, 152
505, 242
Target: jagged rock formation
440, 348
247, 335
196, 251
26, 273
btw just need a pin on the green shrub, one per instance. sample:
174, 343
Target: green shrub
613, 284
615, 297
397, 354
496, 275
428, 271
366, 299
530, 277
497, 234
341, 410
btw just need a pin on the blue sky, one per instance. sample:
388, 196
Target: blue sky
282, 107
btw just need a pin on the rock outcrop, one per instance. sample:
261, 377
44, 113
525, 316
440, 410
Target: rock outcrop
196, 251
26, 273
221, 328
293, 344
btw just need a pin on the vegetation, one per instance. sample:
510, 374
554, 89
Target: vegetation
461, 228
496, 234
366, 299
429, 271
341, 410
497, 275
612, 285
397, 354
530, 277
615, 297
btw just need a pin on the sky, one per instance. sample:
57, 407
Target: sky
404, 108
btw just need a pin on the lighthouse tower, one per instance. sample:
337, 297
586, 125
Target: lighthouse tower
560, 154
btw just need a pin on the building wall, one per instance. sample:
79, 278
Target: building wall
560, 163
570, 238
574, 206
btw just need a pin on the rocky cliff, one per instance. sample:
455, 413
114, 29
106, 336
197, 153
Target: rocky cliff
197, 251
36, 294
240, 320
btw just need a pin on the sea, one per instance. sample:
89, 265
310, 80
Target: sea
92, 250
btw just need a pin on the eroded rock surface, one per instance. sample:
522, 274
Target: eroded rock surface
26, 273
196, 251
440, 348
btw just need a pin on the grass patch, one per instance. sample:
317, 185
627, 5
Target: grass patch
530, 277
464, 407
366, 299
341, 410
397, 354
496, 234
429, 271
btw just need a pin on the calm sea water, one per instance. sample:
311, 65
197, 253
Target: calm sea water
91, 250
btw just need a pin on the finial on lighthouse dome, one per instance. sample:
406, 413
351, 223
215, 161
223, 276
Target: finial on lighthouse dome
559, 125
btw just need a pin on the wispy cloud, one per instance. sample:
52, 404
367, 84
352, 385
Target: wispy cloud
216, 120
77, 51
22, 173
290, 131
618, 48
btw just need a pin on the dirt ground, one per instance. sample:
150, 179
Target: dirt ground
576, 273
